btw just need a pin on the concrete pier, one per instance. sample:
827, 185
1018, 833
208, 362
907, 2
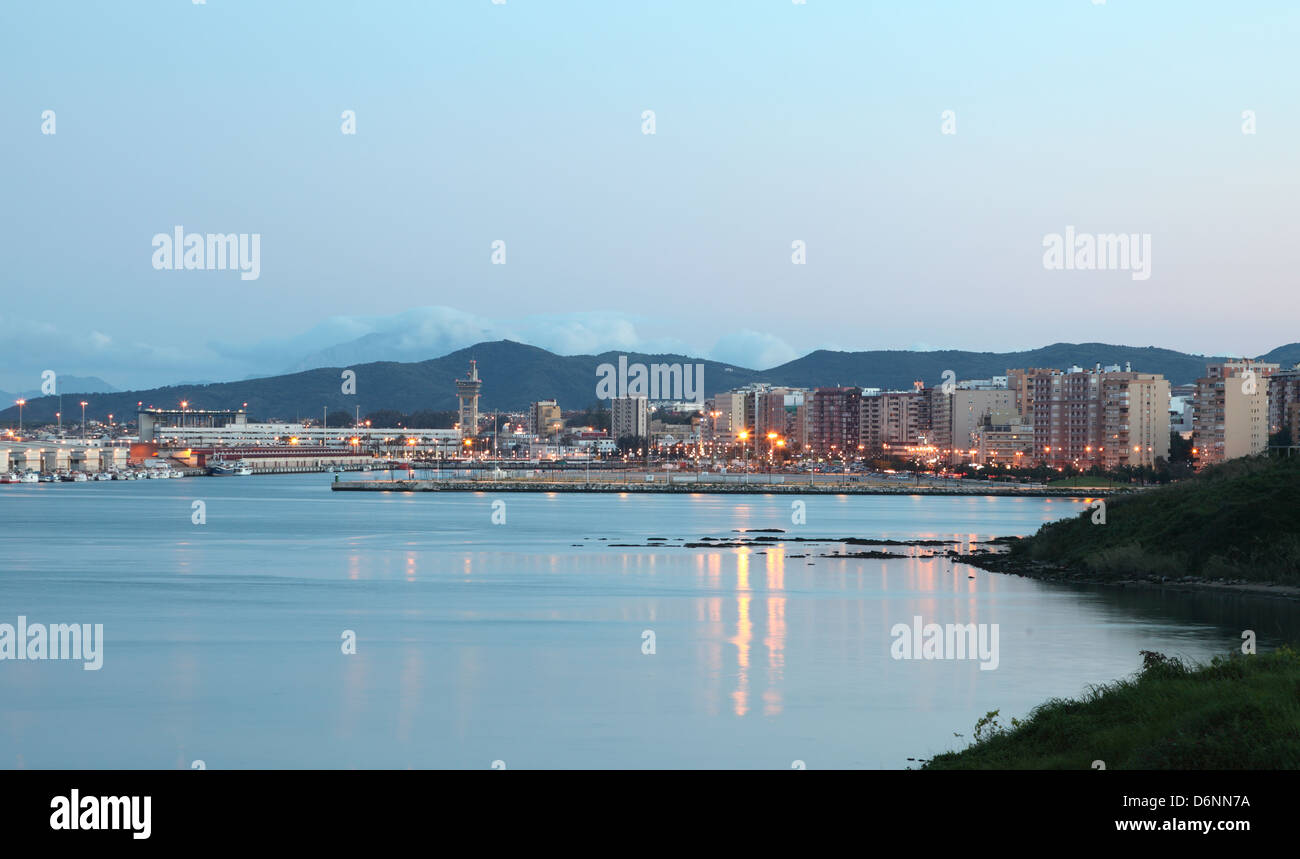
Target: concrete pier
704, 488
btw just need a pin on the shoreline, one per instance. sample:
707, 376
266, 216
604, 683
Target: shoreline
692, 488
999, 562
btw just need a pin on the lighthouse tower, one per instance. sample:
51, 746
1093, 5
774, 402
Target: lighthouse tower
467, 391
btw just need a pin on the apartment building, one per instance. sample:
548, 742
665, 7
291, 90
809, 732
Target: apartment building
955, 416
1002, 438
1232, 410
629, 416
1104, 416
544, 418
1020, 383
834, 420
895, 419
1283, 395
777, 410
726, 416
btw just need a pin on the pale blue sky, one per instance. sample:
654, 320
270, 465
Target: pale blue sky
522, 122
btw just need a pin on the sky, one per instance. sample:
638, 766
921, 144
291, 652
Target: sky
522, 122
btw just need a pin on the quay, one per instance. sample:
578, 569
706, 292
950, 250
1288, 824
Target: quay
696, 488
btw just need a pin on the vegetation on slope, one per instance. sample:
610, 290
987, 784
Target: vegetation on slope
1238, 520
1238, 712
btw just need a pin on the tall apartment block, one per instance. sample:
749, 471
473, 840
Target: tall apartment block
629, 416
777, 410
1020, 383
834, 418
1105, 416
1231, 411
894, 419
726, 415
1283, 396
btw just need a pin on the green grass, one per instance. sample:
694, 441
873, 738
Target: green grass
1238, 520
1238, 712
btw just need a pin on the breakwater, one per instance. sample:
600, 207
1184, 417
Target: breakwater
693, 488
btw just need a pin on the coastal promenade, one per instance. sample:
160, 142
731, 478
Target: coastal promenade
685, 485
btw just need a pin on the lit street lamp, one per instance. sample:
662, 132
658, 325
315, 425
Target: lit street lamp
743, 435
83, 420
21, 403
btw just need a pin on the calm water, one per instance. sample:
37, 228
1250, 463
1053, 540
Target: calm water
522, 642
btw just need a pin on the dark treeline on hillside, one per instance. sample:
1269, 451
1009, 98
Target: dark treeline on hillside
1236, 520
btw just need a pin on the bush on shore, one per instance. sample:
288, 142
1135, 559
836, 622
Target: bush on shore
1237, 712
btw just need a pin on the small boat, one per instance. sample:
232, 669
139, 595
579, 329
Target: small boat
49, 478
103, 475
30, 477
222, 467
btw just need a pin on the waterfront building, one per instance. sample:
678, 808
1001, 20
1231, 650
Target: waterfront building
1232, 410
1283, 395
1002, 437
544, 418
1106, 417
894, 419
629, 416
727, 416
835, 420
954, 416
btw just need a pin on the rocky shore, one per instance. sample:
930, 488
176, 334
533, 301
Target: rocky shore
1000, 560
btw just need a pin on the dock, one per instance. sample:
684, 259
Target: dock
694, 488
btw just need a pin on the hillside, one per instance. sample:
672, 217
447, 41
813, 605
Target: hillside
1237, 520
516, 374
1239, 712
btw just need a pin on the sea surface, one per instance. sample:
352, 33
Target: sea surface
516, 635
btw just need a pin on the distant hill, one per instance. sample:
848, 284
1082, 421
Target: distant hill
1288, 356
515, 374
898, 369
68, 385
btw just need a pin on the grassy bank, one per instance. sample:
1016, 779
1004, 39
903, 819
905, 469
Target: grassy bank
1238, 712
1239, 520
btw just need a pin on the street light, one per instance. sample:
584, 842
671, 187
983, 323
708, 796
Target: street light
21, 403
83, 420
743, 435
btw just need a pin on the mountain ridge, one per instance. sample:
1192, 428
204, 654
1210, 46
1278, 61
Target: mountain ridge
515, 374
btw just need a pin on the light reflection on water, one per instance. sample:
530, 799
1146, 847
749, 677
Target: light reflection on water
522, 642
